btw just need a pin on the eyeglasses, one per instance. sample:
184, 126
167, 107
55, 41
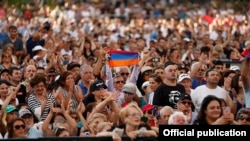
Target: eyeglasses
186, 102
19, 126
27, 117
128, 93
243, 118
150, 112
135, 115
121, 82
124, 73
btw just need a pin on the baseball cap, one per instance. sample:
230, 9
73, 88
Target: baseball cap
23, 112
96, 85
10, 108
147, 107
146, 68
234, 68
185, 96
71, 65
38, 47
247, 43
145, 84
183, 76
4, 70
130, 88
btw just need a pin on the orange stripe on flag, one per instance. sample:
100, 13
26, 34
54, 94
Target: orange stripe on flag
118, 63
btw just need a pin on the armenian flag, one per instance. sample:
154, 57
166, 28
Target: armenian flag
123, 58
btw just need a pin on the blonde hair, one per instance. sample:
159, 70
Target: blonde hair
95, 116
124, 111
101, 126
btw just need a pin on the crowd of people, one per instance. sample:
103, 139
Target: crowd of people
56, 81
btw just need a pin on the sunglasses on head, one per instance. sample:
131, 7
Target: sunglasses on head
19, 126
243, 118
124, 73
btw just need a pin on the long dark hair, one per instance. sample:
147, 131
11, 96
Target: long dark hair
235, 83
11, 128
201, 117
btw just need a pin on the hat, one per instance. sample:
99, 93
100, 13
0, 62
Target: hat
146, 68
38, 47
185, 96
96, 85
71, 65
10, 108
4, 70
186, 39
130, 88
234, 68
145, 84
247, 43
147, 107
23, 112
183, 76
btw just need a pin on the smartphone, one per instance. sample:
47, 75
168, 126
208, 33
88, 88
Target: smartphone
226, 110
155, 111
0, 107
56, 105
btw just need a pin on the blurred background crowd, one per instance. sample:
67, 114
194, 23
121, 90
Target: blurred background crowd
56, 80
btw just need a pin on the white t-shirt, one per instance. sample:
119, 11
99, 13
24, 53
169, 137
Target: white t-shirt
202, 91
1, 102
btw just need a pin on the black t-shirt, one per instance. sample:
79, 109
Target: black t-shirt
168, 95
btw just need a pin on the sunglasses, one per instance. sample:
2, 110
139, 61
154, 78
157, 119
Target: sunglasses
185, 102
123, 73
243, 118
150, 112
117, 82
19, 126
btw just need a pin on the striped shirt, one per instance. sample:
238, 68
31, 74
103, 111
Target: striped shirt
34, 102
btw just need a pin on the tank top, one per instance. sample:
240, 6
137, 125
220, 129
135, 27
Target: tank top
74, 104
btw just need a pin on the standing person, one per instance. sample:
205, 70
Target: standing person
15, 40
185, 80
168, 93
211, 88
245, 76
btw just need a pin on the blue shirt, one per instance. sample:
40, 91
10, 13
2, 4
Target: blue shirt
83, 88
32, 134
196, 83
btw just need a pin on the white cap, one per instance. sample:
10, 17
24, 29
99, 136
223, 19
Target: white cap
234, 68
145, 84
186, 39
183, 76
39, 47
247, 42
146, 68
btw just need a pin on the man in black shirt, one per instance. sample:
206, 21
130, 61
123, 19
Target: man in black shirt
168, 93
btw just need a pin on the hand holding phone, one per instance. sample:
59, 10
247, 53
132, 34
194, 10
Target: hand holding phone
226, 110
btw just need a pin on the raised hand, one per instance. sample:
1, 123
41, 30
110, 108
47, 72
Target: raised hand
81, 107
